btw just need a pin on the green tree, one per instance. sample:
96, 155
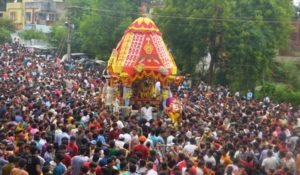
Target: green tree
254, 40
57, 37
5, 36
101, 29
241, 36
6, 28
33, 34
7, 24
196, 30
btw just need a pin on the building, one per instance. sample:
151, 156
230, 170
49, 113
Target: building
2, 8
30, 13
60, 8
15, 12
42, 12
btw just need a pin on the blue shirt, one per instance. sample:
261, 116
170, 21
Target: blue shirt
103, 161
101, 139
59, 169
160, 140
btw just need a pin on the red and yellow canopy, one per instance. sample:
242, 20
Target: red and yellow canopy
142, 53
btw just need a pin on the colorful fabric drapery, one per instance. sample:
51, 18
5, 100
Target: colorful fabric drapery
142, 53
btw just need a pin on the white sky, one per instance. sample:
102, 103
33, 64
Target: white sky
296, 2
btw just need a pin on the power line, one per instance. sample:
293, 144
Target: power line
235, 19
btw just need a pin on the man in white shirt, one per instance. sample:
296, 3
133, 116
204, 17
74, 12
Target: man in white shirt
269, 163
146, 112
171, 137
120, 142
210, 158
126, 135
190, 148
62, 135
119, 121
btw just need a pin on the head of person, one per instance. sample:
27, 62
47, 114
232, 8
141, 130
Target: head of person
147, 104
33, 150
82, 151
270, 153
93, 166
149, 165
73, 140
142, 139
59, 157
132, 168
11, 159
22, 163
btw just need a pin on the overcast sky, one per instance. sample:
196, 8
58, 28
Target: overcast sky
296, 2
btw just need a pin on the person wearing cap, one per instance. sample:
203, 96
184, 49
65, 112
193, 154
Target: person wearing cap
93, 144
142, 148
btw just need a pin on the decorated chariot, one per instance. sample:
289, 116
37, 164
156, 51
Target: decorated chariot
141, 68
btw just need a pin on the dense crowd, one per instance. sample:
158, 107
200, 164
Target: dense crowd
52, 122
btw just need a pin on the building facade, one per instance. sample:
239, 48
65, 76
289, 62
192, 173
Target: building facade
30, 13
15, 12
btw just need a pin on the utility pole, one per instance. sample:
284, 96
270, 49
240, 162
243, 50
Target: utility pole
69, 39
69, 26
33, 17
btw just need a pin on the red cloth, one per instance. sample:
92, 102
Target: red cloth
67, 160
73, 149
143, 149
207, 171
98, 168
248, 164
181, 165
114, 134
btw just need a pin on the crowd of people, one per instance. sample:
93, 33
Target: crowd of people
52, 123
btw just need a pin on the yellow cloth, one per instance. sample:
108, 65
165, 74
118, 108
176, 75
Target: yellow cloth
174, 117
225, 159
165, 94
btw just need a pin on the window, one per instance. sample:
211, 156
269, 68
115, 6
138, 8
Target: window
51, 17
13, 16
42, 16
28, 16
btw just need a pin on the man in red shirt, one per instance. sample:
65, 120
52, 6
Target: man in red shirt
182, 161
94, 165
72, 147
114, 134
67, 160
142, 148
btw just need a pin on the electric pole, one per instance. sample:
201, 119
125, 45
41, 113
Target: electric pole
69, 25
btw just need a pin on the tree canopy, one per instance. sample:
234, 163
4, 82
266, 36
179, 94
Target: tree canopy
6, 28
99, 29
240, 36
33, 34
